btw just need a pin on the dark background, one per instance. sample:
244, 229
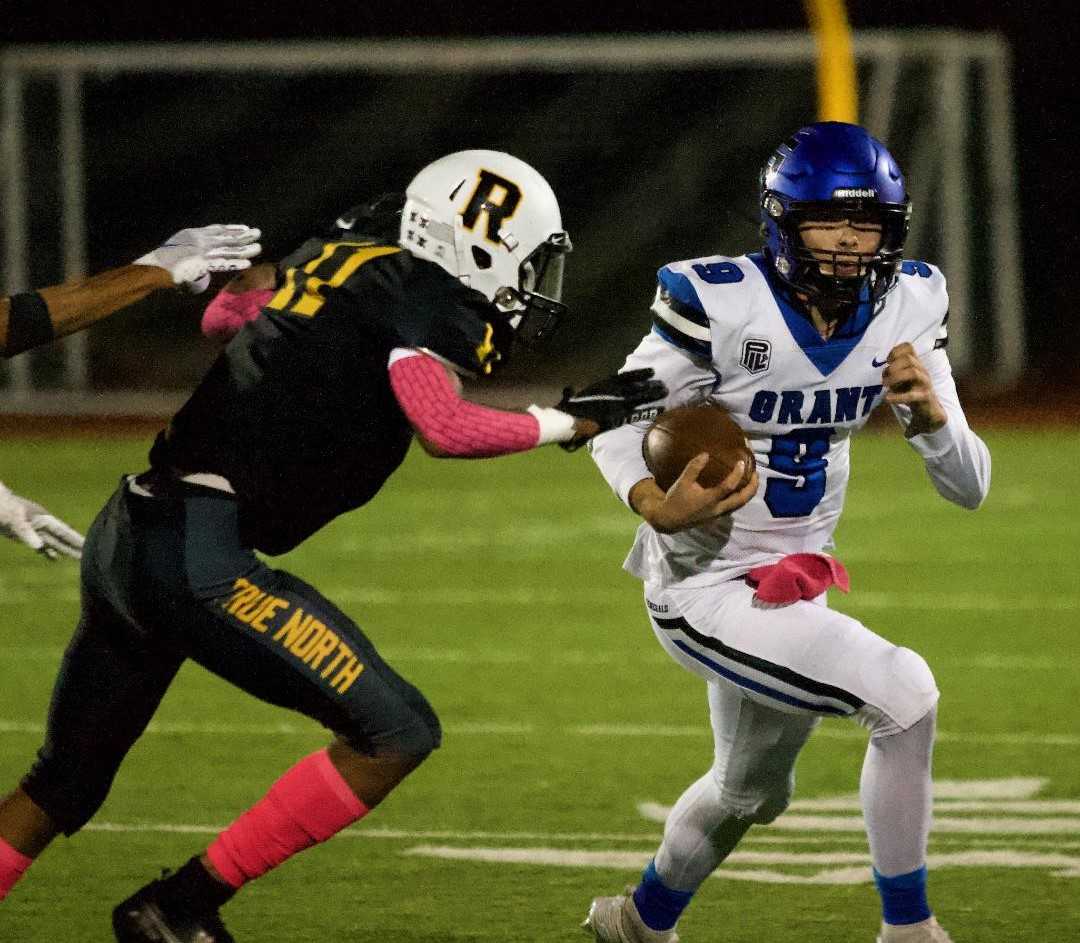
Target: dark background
1042, 35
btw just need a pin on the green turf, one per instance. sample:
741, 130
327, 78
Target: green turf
496, 587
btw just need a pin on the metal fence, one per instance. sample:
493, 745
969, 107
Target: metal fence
652, 143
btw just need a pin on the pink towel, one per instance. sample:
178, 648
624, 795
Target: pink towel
798, 576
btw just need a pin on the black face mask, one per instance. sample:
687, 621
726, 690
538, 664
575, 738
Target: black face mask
538, 317
535, 302
503, 337
832, 294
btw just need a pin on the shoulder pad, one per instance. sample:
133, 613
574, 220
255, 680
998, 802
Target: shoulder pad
923, 277
678, 315
925, 283
307, 251
692, 294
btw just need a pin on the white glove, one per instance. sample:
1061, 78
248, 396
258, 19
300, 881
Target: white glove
29, 523
192, 254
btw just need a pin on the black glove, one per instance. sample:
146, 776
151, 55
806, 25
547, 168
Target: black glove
611, 401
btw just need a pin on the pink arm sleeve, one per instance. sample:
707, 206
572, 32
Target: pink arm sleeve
229, 312
455, 426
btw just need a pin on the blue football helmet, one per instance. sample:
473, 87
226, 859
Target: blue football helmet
833, 171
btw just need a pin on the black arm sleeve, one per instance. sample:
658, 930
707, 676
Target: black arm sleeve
29, 324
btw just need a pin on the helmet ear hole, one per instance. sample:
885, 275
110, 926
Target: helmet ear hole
481, 257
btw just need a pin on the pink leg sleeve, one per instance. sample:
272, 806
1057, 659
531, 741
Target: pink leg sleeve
306, 806
13, 865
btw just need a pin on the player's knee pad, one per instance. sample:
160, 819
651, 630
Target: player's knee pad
413, 732
68, 793
423, 735
762, 805
904, 692
420, 739
772, 805
759, 795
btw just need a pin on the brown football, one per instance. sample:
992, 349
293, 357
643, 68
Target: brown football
679, 434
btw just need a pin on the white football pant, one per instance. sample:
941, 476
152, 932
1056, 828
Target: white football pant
773, 671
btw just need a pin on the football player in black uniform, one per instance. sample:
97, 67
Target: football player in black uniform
304, 416
30, 319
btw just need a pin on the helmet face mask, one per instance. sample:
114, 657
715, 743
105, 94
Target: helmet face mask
834, 174
492, 221
534, 306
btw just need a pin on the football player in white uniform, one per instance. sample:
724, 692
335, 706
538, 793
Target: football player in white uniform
799, 342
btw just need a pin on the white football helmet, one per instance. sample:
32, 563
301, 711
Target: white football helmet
491, 220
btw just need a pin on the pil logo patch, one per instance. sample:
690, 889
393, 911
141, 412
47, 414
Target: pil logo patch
756, 355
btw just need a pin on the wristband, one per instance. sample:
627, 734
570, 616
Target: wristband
555, 425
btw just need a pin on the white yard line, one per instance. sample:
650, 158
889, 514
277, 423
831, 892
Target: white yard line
1013, 787
840, 867
989, 661
985, 843
1017, 807
302, 728
1061, 865
944, 842
834, 732
942, 825
1017, 830
387, 833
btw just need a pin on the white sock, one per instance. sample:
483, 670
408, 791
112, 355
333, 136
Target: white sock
897, 797
699, 834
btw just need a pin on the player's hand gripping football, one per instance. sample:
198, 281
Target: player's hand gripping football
608, 403
687, 503
29, 523
191, 255
908, 383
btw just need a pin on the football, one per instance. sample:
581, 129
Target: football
679, 434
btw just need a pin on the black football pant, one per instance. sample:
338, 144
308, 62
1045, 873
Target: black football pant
166, 578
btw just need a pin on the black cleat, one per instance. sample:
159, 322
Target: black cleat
147, 916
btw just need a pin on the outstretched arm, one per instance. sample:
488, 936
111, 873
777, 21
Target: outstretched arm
186, 259
451, 427
34, 318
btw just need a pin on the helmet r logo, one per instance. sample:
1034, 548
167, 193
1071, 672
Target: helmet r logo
756, 355
497, 197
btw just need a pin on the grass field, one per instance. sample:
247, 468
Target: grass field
496, 587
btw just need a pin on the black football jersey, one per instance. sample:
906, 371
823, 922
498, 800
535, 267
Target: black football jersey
297, 411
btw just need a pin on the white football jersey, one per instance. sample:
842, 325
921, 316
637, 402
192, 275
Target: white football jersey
722, 333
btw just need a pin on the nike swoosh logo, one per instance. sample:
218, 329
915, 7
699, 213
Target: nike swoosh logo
875, 363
